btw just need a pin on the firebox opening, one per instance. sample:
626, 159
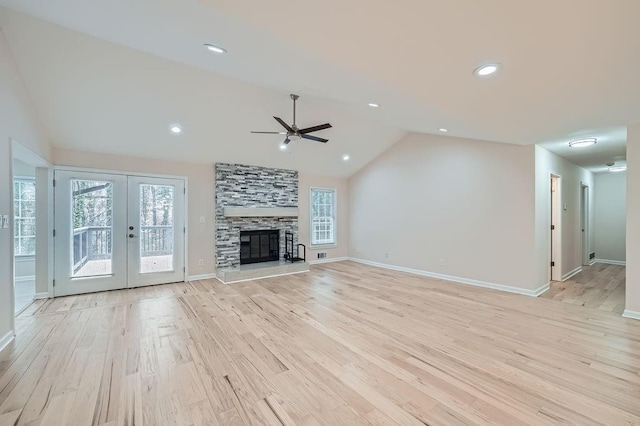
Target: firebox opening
259, 246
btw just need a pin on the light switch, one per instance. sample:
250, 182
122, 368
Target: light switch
5, 221
201, 219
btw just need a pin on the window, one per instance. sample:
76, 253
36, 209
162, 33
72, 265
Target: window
323, 218
24, 213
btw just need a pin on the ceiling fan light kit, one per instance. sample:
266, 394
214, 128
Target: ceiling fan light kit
293, 133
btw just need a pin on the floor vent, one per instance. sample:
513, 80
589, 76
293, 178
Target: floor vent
592, 255
322, 255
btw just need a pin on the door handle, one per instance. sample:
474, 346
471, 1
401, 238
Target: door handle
131, 235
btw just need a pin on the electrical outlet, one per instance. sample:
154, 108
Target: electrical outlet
441, 262
201, 262
202, 219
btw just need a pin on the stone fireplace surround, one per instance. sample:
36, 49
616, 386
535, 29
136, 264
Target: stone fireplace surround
252, 187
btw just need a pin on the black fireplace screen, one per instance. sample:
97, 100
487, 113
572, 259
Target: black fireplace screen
259, 246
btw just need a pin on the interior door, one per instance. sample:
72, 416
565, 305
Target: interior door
115, 231
156, 231
90, 238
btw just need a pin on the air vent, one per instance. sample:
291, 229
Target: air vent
322, 255
592, 255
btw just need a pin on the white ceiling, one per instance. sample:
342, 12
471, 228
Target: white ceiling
567, 68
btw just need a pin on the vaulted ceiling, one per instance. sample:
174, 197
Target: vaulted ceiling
112, 76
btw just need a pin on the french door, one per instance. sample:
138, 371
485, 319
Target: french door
115, 231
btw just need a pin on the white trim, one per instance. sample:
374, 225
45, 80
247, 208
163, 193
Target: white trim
261, 278
320, 246
510, 289
201, 277
40, 296
6, 339
631, 314
592, 262
611, 262
116, 172
328, 260
572, 273
24, 278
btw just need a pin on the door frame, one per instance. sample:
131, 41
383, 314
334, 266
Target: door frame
44, 221
136, 174
585, 223
555, 218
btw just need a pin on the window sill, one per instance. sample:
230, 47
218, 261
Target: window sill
24, 257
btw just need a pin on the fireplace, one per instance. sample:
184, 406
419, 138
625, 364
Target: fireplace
259, 246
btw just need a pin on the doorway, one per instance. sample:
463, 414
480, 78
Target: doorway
30, 224
24, 235
584, 224
115, 231
555, 246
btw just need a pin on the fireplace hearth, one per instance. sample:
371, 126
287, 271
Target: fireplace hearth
259, 246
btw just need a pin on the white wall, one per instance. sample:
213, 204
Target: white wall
468, 202
610, 216
633, 224
572, 179
18, 120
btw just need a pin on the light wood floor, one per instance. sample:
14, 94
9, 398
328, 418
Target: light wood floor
344, 344
599, 286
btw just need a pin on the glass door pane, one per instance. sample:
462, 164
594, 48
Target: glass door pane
156, 228
92, 230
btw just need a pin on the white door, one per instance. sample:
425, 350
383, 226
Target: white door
115, 231
155, 231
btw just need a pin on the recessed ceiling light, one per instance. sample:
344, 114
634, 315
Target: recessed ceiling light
486, 69
373, 105
581, 143
215, 49
443, 130
283, 147
346, 157
615, 169
176, 130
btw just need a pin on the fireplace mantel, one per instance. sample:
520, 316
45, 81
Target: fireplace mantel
260, 212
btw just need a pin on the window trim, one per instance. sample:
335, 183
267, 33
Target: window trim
335, 218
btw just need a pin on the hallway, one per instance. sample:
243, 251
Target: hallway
600, 286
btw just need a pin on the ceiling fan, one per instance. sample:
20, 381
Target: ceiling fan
293, 132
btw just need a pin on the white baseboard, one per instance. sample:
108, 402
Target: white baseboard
6, 339
572, 273
201, 277
469, 281
612, 262
25, 278
631, 314
328, 260
39, 296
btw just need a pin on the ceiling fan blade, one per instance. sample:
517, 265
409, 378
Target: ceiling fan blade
283, 124
314, 138
271, 133
315, 128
